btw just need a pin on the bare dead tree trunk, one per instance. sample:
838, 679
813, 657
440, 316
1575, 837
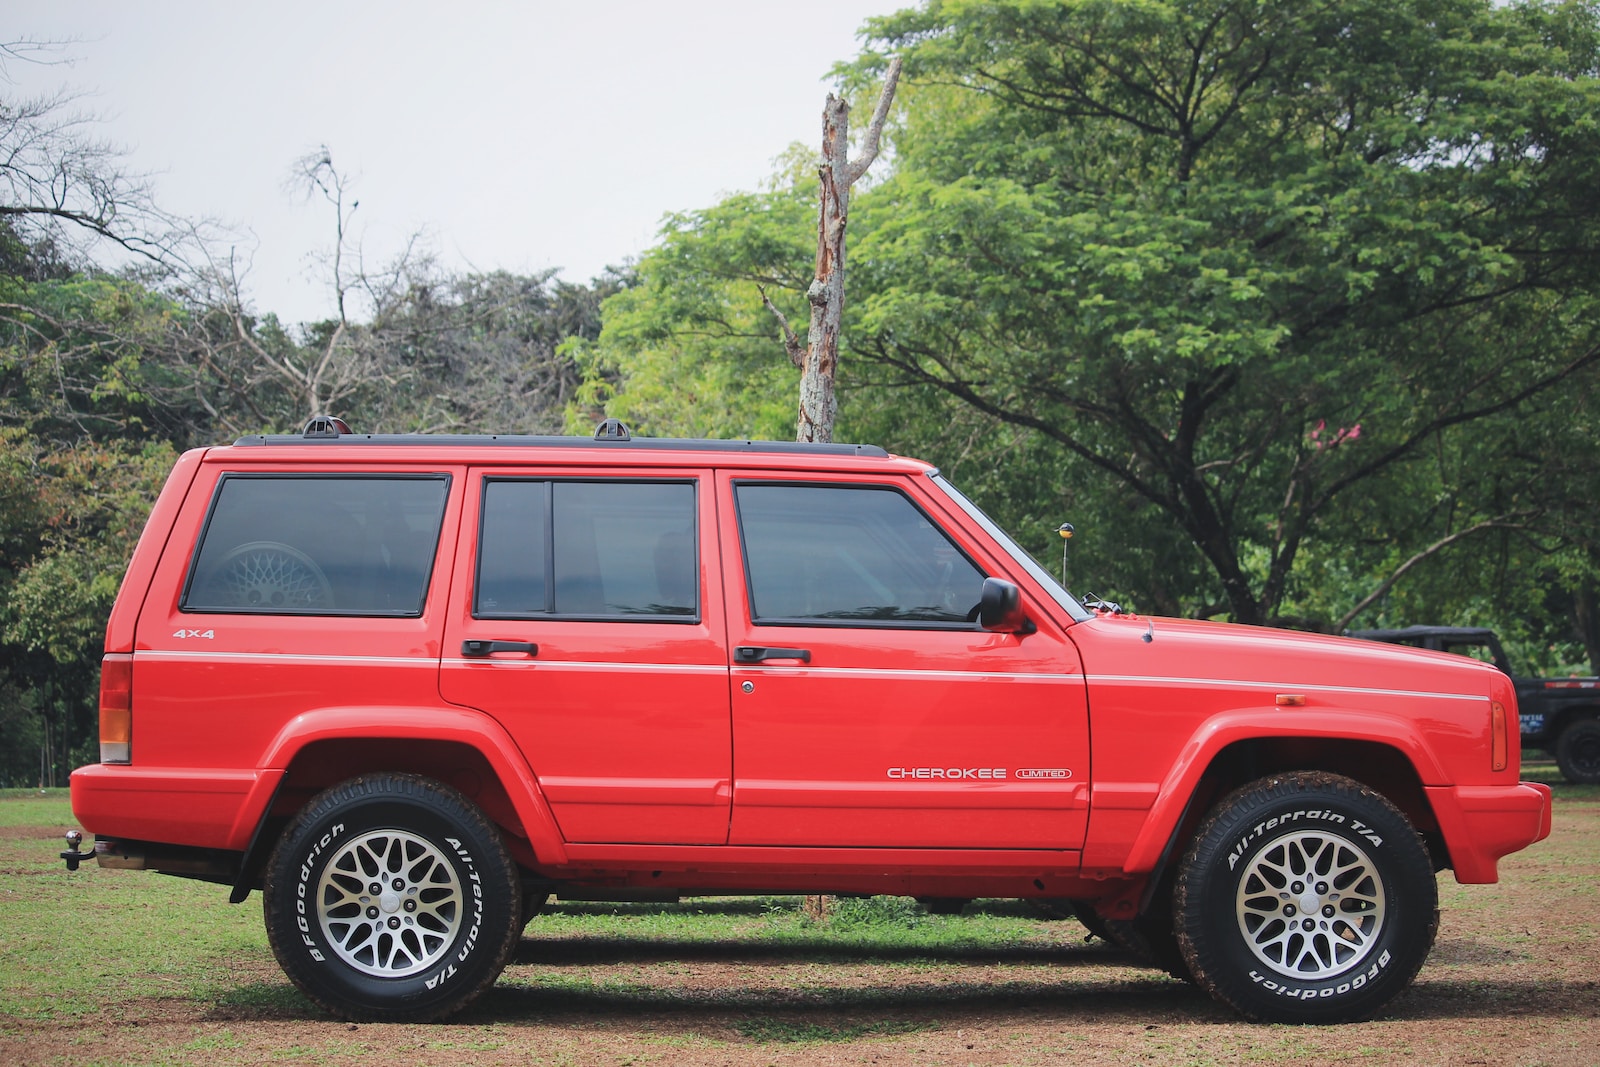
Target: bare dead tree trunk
820, 357
818, 360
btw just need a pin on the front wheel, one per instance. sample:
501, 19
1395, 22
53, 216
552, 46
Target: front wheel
1305, 898
1578, 752
390, 897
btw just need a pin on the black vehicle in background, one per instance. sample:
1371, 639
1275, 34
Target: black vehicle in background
1559, 715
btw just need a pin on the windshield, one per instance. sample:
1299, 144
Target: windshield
1015, 551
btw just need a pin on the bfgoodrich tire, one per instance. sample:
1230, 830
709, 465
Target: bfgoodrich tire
390, 897
1305, 898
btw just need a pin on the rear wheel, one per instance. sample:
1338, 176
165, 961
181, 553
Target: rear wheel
1306, 898
1578, 752
390, 897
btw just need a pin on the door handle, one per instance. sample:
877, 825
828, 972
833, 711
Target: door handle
756, 654
483, 648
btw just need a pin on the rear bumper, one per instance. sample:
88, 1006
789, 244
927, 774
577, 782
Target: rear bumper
1483, 823
196, 807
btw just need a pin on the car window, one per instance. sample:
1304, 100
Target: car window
587, 549
318, 545
848, 555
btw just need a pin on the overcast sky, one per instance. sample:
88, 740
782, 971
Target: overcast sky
518, 136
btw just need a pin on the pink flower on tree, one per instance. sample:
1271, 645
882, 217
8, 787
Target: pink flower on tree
1338, 437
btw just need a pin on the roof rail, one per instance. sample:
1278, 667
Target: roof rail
612, 430
320, 426
342, 436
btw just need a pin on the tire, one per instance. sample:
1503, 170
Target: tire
1237, 905
1578, 752
441, 925
271, 576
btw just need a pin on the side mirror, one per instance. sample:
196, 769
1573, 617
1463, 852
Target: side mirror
1000, 608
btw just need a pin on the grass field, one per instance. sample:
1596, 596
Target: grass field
128, 967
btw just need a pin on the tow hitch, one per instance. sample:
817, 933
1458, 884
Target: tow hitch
72, 855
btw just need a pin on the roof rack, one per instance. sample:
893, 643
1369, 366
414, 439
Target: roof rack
328, 430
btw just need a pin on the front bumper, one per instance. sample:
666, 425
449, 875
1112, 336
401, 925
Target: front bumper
1482, 823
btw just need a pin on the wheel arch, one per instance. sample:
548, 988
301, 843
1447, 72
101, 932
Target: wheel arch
462, 749
1559, 720
1237, 754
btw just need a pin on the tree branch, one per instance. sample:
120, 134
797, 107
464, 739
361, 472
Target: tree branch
1444, 542
791, 343
869, 146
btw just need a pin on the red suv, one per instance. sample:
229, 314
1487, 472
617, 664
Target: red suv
409, 686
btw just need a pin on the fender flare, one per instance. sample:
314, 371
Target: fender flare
425, 724
1157, 838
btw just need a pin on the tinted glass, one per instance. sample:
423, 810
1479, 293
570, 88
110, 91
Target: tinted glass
318, 546
514, 553
613, 549
829, 553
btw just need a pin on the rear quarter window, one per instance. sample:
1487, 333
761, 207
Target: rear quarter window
318, 545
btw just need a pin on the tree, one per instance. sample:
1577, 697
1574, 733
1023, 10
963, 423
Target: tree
686, 350
818, 360
1271, 300
409, 348
64, 190
1244, 262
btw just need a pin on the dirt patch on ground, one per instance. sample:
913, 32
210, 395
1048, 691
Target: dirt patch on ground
1512, 980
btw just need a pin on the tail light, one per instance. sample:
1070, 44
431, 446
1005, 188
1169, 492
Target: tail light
116, 708
1499, 742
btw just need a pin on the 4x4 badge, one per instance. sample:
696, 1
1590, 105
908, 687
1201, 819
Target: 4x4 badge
182, 634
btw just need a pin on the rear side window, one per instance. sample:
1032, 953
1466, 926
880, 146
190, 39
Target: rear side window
318, 545
850, 556
587, 549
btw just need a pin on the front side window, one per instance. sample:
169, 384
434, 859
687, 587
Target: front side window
318, 545
849, 556
587, 549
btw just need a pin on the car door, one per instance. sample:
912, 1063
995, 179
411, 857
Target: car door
867, 709
586, 617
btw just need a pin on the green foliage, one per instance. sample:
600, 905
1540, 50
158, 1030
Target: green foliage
699, 354
69, 519
75, 358
1267, 299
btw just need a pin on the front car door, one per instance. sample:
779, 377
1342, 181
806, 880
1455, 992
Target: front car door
868, 710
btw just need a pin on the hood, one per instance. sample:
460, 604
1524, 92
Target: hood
1214, 651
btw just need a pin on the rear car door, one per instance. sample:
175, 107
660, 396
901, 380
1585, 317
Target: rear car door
586, 618
868, 710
